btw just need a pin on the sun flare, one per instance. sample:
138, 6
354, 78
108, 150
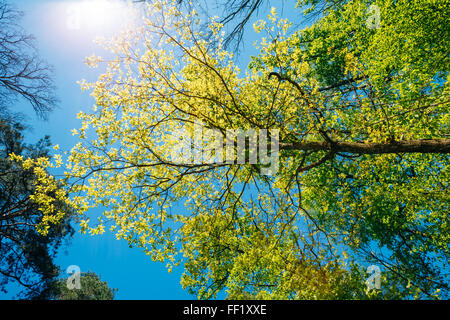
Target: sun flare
96, 14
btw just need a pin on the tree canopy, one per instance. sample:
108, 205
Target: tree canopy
361, 113
91, 288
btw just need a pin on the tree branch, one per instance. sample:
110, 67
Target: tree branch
403, 146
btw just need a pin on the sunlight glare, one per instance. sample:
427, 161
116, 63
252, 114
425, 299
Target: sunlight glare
96, 14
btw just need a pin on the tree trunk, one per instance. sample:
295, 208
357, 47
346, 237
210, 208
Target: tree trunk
403, 146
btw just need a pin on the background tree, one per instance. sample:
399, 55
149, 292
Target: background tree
22, 73
92, 288
362, 115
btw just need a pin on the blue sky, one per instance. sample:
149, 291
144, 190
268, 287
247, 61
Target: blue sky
65, 43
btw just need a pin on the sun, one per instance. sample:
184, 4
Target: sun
96, 14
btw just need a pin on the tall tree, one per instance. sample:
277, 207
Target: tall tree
361, 109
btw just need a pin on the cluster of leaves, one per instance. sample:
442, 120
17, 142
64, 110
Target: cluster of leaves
343, 97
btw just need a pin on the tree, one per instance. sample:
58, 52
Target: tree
26, 255
91, 288
361, 114
22, 73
